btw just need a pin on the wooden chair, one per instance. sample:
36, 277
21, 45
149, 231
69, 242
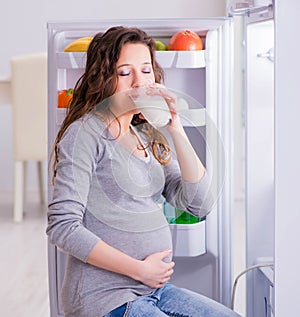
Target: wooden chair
29, 103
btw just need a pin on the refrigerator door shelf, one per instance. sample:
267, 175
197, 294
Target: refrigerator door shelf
188, 239
167, 59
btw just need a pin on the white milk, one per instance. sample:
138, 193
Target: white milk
154, 109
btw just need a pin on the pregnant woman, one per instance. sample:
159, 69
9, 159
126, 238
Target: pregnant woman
111, 169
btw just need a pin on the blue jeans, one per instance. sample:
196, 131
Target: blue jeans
172, 301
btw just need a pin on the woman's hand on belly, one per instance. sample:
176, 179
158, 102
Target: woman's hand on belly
154, 271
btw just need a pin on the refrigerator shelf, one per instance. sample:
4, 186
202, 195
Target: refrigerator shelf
189, 117
193, 117
60, 115
181, 59
167, 59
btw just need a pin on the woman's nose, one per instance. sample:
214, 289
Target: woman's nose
139, 81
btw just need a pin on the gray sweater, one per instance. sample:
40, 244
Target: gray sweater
102, 191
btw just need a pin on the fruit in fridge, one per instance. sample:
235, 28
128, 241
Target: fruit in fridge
79, 45
185, 40
64, 98
161, 46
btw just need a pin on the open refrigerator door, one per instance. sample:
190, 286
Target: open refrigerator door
254, 151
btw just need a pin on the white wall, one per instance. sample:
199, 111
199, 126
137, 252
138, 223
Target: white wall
23, 29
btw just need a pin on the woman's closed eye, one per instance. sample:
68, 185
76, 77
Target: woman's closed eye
127, 72
124, 72
147, 70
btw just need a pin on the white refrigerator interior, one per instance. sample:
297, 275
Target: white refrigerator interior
202, 251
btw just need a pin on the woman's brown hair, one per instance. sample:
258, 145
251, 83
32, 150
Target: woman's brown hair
99, 81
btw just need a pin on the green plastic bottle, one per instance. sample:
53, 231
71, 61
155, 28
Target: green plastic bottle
178, 216
183, 217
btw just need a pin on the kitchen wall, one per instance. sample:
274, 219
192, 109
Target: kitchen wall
23, 29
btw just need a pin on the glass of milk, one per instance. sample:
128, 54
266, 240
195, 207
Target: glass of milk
153, 107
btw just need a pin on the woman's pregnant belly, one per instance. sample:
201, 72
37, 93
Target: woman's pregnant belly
135, 244
93, 283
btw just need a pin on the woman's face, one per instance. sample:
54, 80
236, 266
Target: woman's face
134, 67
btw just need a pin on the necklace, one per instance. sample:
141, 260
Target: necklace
139, 146
131, 141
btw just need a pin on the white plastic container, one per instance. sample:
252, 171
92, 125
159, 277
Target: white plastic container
188, 239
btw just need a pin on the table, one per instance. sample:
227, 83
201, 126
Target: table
5, 96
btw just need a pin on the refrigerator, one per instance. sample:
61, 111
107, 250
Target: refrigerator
216, 84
